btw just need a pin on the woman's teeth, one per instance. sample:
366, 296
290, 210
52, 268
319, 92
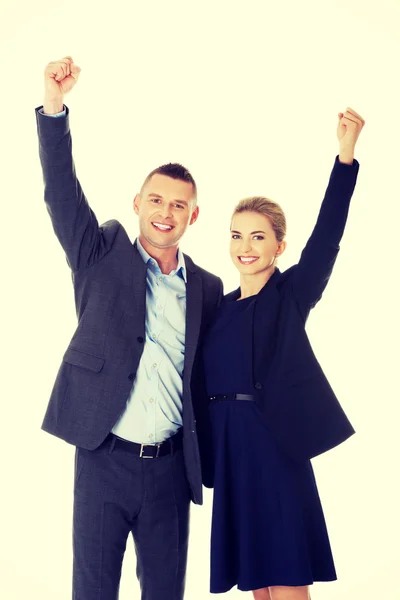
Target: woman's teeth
247, 261
162, 227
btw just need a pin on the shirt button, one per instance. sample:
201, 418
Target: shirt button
159, 307
160, 279
151, 435
131, 376
258, 386
140, 339
151, 400
154, 365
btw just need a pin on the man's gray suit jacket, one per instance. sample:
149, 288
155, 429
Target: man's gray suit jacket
109, 277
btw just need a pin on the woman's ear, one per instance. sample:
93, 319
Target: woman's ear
281, 248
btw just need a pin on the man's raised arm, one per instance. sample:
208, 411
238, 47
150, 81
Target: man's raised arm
74, 222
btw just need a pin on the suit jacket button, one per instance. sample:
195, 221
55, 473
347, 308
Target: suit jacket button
140, 339
258, 386
131, 376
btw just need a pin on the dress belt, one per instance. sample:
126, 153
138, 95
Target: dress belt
168, 446
232, 397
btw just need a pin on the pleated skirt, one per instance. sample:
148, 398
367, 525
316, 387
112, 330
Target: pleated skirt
268, 526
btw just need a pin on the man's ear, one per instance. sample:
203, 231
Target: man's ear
136, 203
194, 216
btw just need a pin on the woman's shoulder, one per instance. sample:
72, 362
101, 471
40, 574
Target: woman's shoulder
278, 280
232, 296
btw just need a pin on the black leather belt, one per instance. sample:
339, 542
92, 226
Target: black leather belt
149, 450
232, 397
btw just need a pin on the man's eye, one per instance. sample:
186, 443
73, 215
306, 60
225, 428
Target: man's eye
178, 205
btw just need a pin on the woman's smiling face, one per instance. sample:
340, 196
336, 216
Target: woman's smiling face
254, 246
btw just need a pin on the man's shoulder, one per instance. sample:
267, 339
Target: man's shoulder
210, 277
203, 273
113, 230
113, 241
112, 225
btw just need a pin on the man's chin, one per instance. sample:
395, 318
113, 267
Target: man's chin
162, 245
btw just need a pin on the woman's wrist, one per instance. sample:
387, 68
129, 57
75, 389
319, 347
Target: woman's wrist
346, 156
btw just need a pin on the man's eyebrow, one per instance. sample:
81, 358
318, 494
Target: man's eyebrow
252, 233
153, 195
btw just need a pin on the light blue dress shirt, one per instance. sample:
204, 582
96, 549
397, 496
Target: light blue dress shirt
153, 410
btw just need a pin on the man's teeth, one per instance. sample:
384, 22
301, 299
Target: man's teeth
162, 226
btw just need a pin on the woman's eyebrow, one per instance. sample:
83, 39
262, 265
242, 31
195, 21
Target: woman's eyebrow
252, 233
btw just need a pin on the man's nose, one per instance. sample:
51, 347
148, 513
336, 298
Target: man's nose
165, 211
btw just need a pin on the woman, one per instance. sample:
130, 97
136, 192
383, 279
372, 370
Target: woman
271, 406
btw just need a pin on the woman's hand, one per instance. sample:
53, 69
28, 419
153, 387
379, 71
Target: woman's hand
348, 129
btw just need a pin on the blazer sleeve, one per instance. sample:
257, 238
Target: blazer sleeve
74, 222
312, 273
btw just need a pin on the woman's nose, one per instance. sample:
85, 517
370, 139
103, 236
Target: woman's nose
245, 247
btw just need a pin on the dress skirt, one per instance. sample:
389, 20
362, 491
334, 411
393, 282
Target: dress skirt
268, 526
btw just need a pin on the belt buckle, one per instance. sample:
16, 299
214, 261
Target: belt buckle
141, 455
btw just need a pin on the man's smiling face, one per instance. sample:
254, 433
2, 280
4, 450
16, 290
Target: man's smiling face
165, 208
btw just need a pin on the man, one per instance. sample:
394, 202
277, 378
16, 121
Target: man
129, 393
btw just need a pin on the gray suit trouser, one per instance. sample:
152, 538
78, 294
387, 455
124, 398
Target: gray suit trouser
116, 493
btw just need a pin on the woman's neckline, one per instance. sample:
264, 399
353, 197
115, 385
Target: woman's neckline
239, 300
247, 298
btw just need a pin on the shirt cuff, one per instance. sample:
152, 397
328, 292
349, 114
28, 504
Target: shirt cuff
60, 114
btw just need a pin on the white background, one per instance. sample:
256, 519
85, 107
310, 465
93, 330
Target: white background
246, 95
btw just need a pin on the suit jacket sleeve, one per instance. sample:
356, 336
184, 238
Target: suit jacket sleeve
313, 271
74, 222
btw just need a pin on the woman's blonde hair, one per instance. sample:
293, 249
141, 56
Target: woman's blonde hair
268, 208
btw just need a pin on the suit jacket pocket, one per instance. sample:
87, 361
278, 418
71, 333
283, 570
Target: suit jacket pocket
82, 359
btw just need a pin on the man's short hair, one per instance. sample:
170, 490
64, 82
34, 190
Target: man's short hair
175, 171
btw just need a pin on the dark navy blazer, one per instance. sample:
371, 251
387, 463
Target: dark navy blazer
297, 402
109, 277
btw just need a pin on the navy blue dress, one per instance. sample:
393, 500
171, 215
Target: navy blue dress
268, 526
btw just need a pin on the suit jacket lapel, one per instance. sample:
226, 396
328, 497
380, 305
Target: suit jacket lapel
265, 323
134, 295
138, 281
194, 309
194, 303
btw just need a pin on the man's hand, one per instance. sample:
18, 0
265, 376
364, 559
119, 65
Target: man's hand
348, 129
59, 78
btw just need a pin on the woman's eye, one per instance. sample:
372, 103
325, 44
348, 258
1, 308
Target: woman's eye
258, 237
235, 236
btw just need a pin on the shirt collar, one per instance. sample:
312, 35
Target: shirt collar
147, 259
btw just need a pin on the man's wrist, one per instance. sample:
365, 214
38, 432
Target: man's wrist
52, 107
